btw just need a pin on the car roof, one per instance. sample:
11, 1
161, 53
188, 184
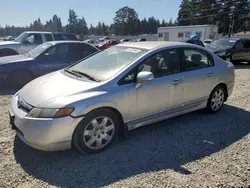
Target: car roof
66, 41
38, 32
149, 45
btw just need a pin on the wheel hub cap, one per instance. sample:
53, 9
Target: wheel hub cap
217, 99
99, 132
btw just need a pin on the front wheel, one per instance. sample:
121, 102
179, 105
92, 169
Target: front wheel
96, 132
216, 99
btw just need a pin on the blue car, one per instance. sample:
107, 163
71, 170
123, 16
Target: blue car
18, 70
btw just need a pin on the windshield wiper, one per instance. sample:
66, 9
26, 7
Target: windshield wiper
85, 75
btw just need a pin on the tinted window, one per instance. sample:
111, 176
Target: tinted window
60, 52
58, 37
196, 59
83, 50
64, 36
160, 64
238, 45
246, 43
34, 39
114, 42
48, 37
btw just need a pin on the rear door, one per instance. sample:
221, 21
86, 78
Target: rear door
199, 75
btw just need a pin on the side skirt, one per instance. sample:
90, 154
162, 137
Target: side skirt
170, 113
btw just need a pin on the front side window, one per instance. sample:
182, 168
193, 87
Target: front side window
246, 43
238, 45
196, 59
34, 39
59, 52
160, 64
109, 62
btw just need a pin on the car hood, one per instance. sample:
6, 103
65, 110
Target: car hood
3, 43
14, 59
56, 90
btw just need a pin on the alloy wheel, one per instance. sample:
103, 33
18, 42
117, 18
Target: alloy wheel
99, 132
217, 99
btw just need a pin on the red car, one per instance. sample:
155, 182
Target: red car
108, 44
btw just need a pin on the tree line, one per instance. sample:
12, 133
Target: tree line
126, 21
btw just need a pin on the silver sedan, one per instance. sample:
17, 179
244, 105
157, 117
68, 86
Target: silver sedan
119, 89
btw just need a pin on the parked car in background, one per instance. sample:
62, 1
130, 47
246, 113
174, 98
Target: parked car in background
125, 40
18, 70
140, 40
234, 50
29, 40
104, 39
107, 44
91, 41
122, 88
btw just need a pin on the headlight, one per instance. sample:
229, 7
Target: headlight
50, 112
221, 53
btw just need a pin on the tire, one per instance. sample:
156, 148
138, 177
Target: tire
90, 137
216, 99
18, 79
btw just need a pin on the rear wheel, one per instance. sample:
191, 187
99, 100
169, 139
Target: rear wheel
18, 79
216, 99
96, 132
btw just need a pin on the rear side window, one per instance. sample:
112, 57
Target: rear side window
82, 50
196, 59
48, 37
58, 37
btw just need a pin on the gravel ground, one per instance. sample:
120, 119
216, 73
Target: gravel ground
194, 150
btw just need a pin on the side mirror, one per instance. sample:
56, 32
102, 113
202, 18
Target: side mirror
144, 76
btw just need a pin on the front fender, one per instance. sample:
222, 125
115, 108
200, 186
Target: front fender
15, 47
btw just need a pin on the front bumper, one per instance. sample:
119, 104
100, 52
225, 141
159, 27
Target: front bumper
50, 134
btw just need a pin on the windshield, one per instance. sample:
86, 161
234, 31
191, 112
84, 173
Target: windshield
39, 49
21, 37
223, 43
109, 62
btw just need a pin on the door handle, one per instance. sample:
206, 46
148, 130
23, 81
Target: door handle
176, 81
210, 74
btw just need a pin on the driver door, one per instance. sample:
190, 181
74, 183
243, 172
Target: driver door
32, 40
161, 95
